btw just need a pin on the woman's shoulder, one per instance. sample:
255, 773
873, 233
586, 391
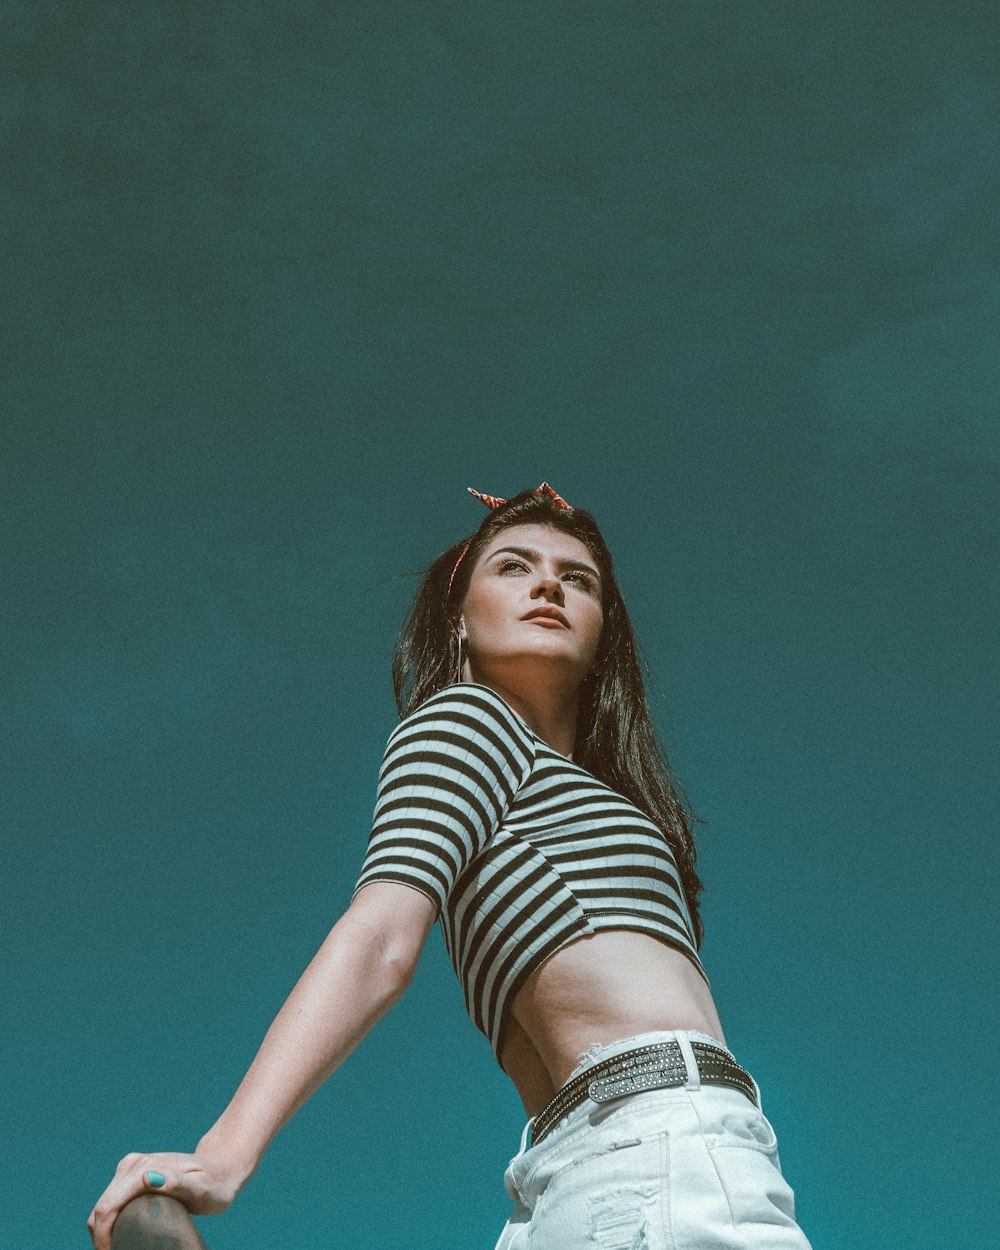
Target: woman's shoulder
469, 696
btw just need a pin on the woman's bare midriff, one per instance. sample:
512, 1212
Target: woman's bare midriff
598, 989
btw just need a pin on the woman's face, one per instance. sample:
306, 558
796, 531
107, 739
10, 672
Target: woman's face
534, 597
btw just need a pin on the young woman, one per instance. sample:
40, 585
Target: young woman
523, 800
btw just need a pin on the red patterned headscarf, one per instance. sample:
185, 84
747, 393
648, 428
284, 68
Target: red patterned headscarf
493, 502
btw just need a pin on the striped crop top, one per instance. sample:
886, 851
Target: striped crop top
521, 849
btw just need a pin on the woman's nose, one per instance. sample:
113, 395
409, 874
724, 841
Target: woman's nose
547, 584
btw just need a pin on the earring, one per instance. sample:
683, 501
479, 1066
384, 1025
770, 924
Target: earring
459, 674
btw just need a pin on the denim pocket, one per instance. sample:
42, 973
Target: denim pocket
740, 1126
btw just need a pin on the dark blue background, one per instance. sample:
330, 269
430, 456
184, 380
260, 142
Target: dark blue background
280, 284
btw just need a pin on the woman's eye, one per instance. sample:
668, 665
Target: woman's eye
583, 579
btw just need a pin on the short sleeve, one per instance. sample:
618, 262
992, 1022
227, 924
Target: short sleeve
450, 771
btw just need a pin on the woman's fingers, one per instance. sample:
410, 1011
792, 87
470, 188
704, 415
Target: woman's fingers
183, 1176
134, 1175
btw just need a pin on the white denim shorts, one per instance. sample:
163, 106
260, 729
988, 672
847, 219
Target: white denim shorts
690, 1168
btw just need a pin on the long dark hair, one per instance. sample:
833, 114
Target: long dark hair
615, 738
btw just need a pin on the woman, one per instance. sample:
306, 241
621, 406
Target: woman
523, 800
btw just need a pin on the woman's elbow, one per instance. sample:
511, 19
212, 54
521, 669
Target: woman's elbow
398, 972
395, 920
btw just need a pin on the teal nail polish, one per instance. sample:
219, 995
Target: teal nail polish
156, 1179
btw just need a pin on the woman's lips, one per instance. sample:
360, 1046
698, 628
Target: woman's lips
546, 620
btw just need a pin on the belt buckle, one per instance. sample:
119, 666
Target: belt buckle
662, 1076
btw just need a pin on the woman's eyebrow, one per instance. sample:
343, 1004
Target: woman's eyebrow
529, 553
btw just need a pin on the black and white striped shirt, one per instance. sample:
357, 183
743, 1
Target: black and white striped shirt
521, 849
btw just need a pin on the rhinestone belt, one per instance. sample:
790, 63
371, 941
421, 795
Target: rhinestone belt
660, 1066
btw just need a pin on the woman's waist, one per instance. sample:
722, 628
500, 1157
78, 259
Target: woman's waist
607, 987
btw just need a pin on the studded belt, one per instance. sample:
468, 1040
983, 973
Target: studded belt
659, 1066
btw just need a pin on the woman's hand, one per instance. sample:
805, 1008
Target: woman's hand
205, 1185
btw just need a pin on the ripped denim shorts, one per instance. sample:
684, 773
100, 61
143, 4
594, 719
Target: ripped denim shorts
689, 1168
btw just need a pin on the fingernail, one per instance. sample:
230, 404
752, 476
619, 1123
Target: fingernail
156, 1179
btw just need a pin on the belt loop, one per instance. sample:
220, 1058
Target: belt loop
693, 1075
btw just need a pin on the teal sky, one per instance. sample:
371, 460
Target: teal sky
280, 284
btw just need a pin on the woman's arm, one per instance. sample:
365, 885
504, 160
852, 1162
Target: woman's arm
362, 968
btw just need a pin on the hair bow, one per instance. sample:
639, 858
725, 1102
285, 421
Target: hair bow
494, 501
